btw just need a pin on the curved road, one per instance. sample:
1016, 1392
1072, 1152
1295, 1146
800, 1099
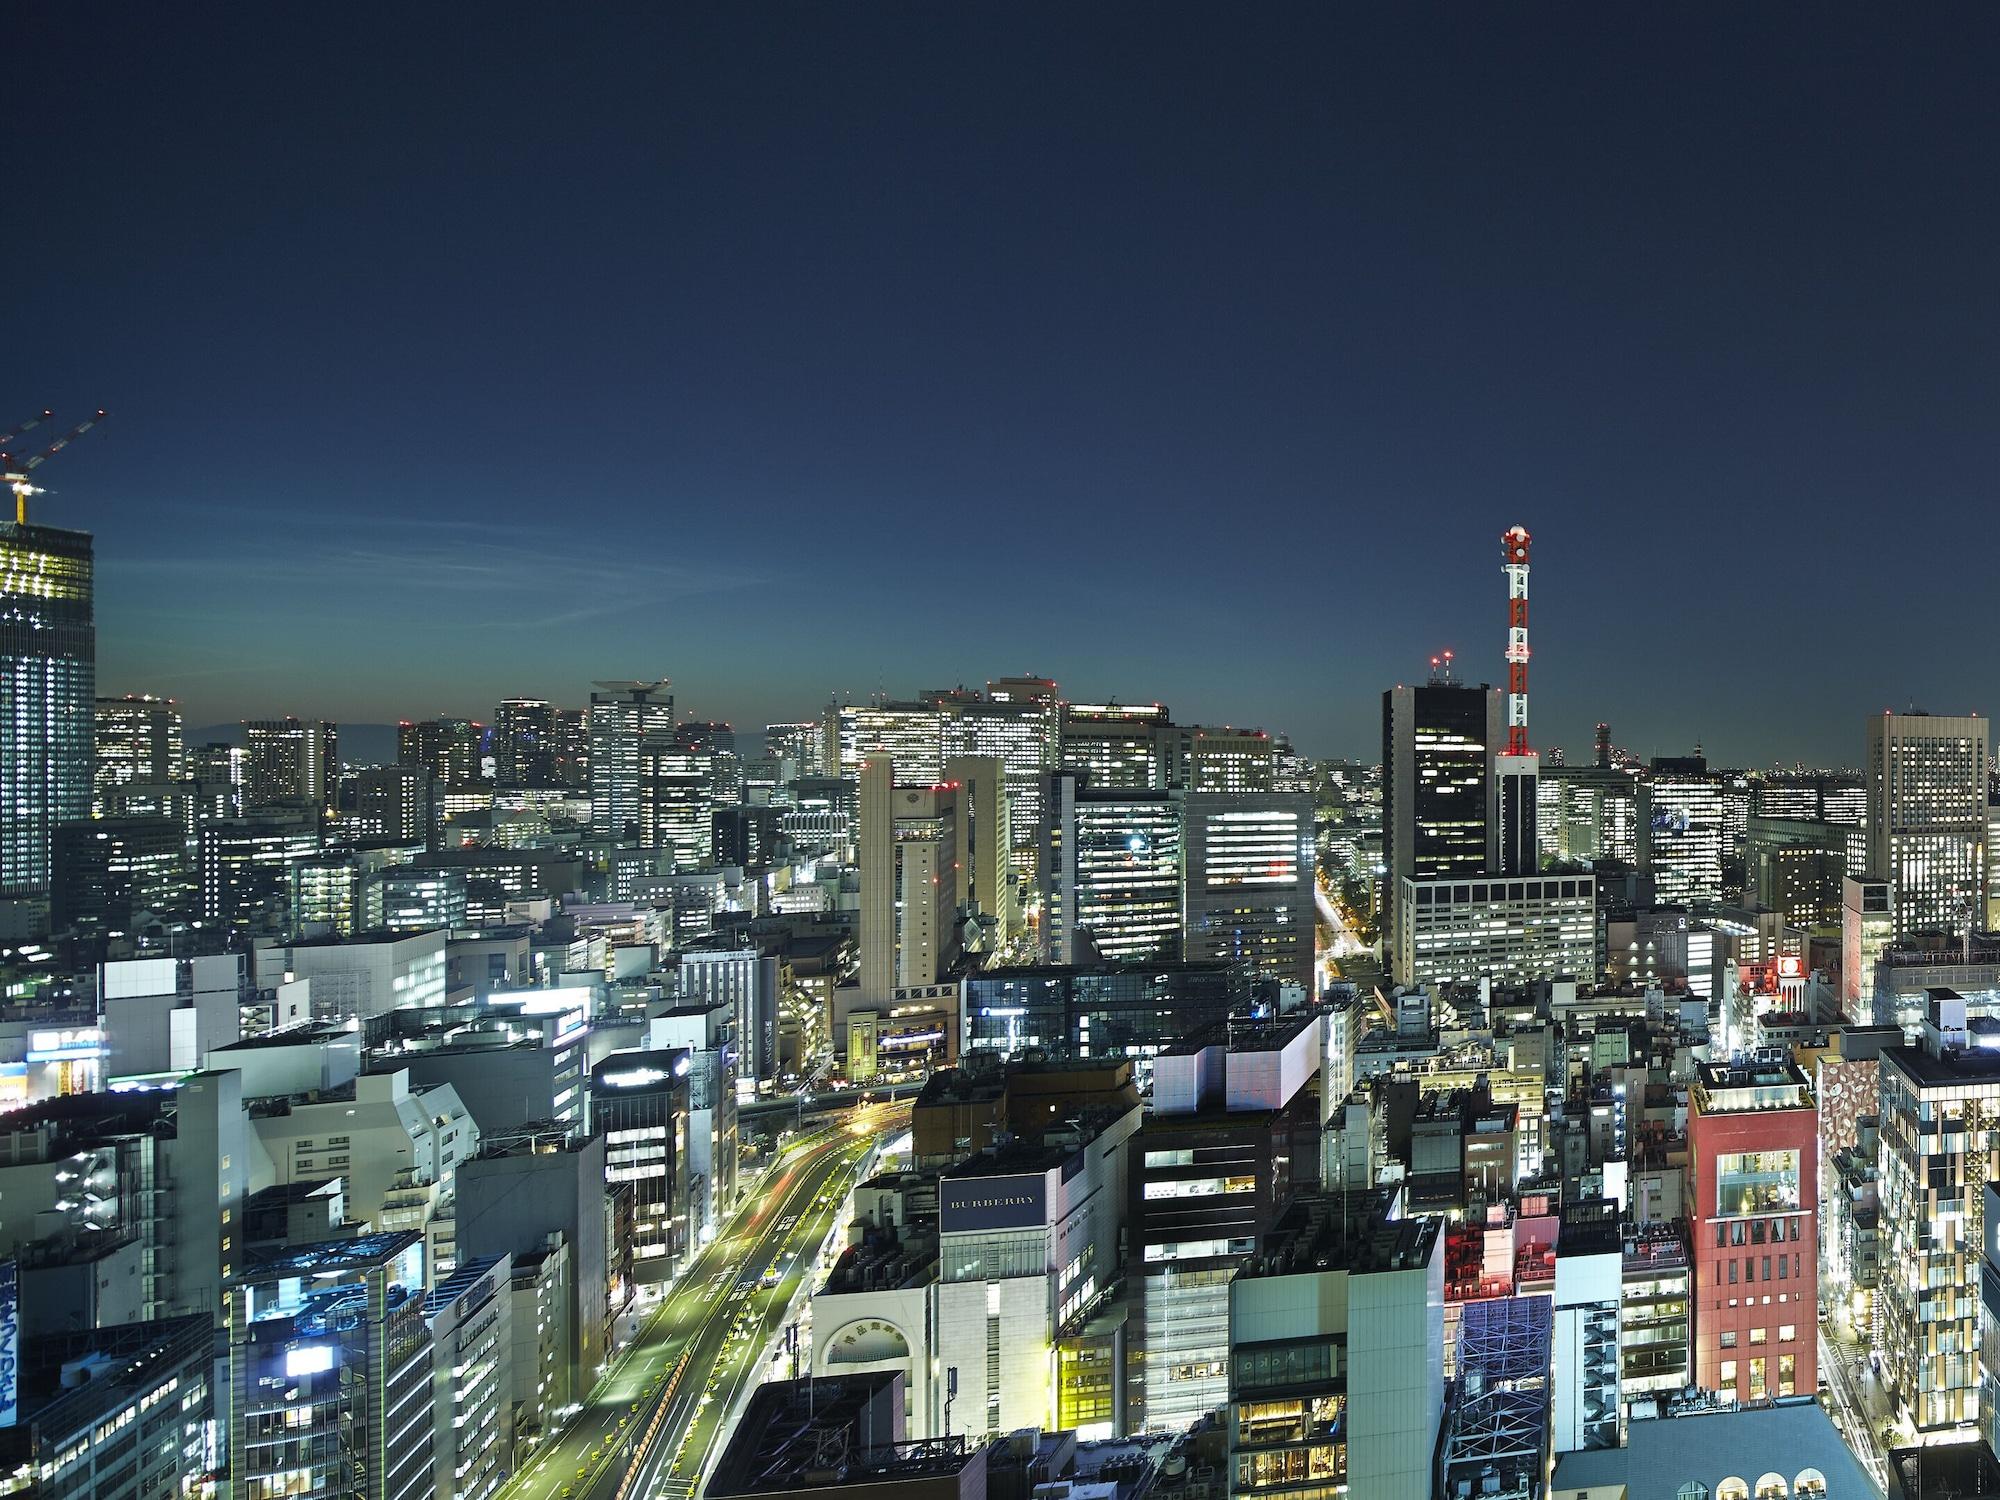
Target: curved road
650, 1425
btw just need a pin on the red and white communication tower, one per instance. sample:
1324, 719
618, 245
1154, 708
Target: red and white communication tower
1514, 548
1517, 770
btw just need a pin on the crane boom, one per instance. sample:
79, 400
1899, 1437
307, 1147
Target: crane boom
19, 428
64, 441
14, 472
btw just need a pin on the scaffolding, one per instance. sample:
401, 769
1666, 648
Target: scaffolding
1497, 1430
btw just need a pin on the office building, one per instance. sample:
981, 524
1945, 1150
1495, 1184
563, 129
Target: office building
1020, 733
48, 682
639, 1102
1681, 835
290, 763
393, 802
449, 749
1927, 786
138, 738
122, 1412
1335, 1380
1438, 744
747, 983
1100, 1010
910, 871
330, 1378
1587, 813
1587, 1302
1512, 931
244, 869
573, 748
368, 974
411, 898
911, 734
524, 1191
706, 1031
676, 804
1794, 867
471, 1324
1249, 887
1118, 747
624, 717
1940, 1129
524, 742
1753, 1210
1223, 760
1231, 1129
1111, 872
109, 871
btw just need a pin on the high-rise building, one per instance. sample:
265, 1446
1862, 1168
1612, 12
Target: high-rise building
394, 802
1927, 818
803, 746
573, 747
524, 742
448, 748
1118, 745
1110, 867
676, 803
1940, 1131
291, 763
911, 734
1753, 1204
983, 834
1224, 760
909, 881
1795, 867
48, 684
1249, 895
138, 740
623, 717
1438, 744
1588, 813
329, 1340
717, 742
1020, 733
109, 869
1681, 834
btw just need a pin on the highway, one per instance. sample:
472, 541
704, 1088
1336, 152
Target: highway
650, 1425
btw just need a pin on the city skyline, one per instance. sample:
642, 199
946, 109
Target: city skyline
1209, 377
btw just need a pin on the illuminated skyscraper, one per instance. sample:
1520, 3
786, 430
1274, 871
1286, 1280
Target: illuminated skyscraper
1111, 872
1118, 744
1681, 817
1250, 882
909, 881
524, 742
291, 763
1927, 818
48, 688
138, 739
1438, 744
623, 717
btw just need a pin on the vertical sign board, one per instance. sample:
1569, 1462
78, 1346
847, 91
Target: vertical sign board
10, 1344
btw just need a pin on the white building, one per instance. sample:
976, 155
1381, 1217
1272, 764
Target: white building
1510, 929
472, 1379
1927, 818
368, 975
396, 1146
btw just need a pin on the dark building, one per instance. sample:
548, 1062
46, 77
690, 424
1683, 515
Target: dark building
526, 1187
89, 1422
843, 1437
525, 742
748, 836
1438, 744
1098, 1010
639, 1103
108, 869
48, 682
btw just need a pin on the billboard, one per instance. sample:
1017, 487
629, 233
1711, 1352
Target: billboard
974, 1203
10, 1344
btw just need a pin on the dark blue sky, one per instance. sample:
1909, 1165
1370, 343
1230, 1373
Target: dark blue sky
1198, 355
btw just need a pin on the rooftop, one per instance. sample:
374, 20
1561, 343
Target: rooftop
1327, 1233
1792, 1438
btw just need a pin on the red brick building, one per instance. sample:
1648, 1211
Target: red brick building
1752, 1202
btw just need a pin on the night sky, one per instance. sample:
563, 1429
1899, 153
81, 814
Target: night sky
1193, 355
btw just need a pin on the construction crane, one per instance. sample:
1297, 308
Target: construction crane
14, 471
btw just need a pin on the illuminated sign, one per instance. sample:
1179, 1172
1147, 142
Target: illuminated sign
632, 1078
65, 1046
980, 1203
1791, 966
309, 1359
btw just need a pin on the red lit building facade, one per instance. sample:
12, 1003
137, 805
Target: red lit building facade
1753, 1199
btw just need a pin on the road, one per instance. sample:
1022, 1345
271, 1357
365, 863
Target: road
648, 1427
1859, 1407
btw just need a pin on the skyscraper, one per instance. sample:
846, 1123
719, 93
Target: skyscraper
909, 881
447, 748
291, 763
1681, 817
1438, 744
1111, 872
1118, 744
48, 684
138, 739
524, 742
676, 803
623, 716
1927, 818
1250, 881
